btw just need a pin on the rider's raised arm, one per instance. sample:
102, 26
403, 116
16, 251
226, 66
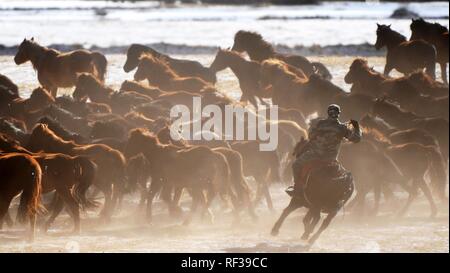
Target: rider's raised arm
355, 134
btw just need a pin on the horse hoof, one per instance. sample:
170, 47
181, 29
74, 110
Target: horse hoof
274, 232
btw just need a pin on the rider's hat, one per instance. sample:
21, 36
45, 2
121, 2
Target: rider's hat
334, 107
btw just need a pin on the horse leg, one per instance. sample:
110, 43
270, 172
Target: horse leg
207, 203
4, 206
426, 190
306, 223
106, 211
74, 209
8, 219
196, 199
324, 225
174, 205
387, 69
57, 206
309, 228
411, 197
293, 205
444, 72
377, 193
155, 187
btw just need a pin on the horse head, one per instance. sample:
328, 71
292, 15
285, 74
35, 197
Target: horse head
358, 65
23, 52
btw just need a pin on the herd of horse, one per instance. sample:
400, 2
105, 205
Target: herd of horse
119, 141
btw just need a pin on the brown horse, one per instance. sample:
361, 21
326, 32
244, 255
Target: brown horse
9, 84
259, 50
395, 116
436, 35
411, 100
396, 136
292, 90
20, 173
414, 160
198, 169
69, 176
327, 189
247, 73
159, 74
88, 86
184, 68
405, 56
56, 69
140, 88
425, 84
110, 176
28, 110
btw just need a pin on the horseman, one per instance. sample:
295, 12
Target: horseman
325, 137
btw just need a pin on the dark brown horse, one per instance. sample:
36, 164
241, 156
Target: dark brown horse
247, 73
20, 173
324, 192
405, 56
56, 69
401, 119
110, 176
436, 35
184, 68
259, 50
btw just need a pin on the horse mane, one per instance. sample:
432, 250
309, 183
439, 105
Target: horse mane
275, 65
161, 67
57, 128
421, 76
42, 93
143, 133
42, 131
136, 48
254, 40
90, 82
8, 144
391, 34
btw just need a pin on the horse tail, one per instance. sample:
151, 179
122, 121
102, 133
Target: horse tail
85, 175
322, 70
30, 202
436, 169
100, 63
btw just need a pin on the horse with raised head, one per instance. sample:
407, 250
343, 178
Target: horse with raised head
259, 50
403, 55
435, 34
184, 68
56, 69
246, 71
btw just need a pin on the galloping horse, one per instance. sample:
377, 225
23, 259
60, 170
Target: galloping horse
20, 173
184, 68
326, 190
259, 50
56, 69
435, 34
405, 56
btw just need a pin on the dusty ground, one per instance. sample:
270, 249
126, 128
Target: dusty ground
128, 231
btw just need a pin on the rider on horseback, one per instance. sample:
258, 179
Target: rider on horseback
325, 136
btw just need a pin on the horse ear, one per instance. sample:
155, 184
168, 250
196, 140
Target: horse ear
378, 25
389, 26
32, 38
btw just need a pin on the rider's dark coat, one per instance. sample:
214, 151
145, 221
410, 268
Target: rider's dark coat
325, 137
